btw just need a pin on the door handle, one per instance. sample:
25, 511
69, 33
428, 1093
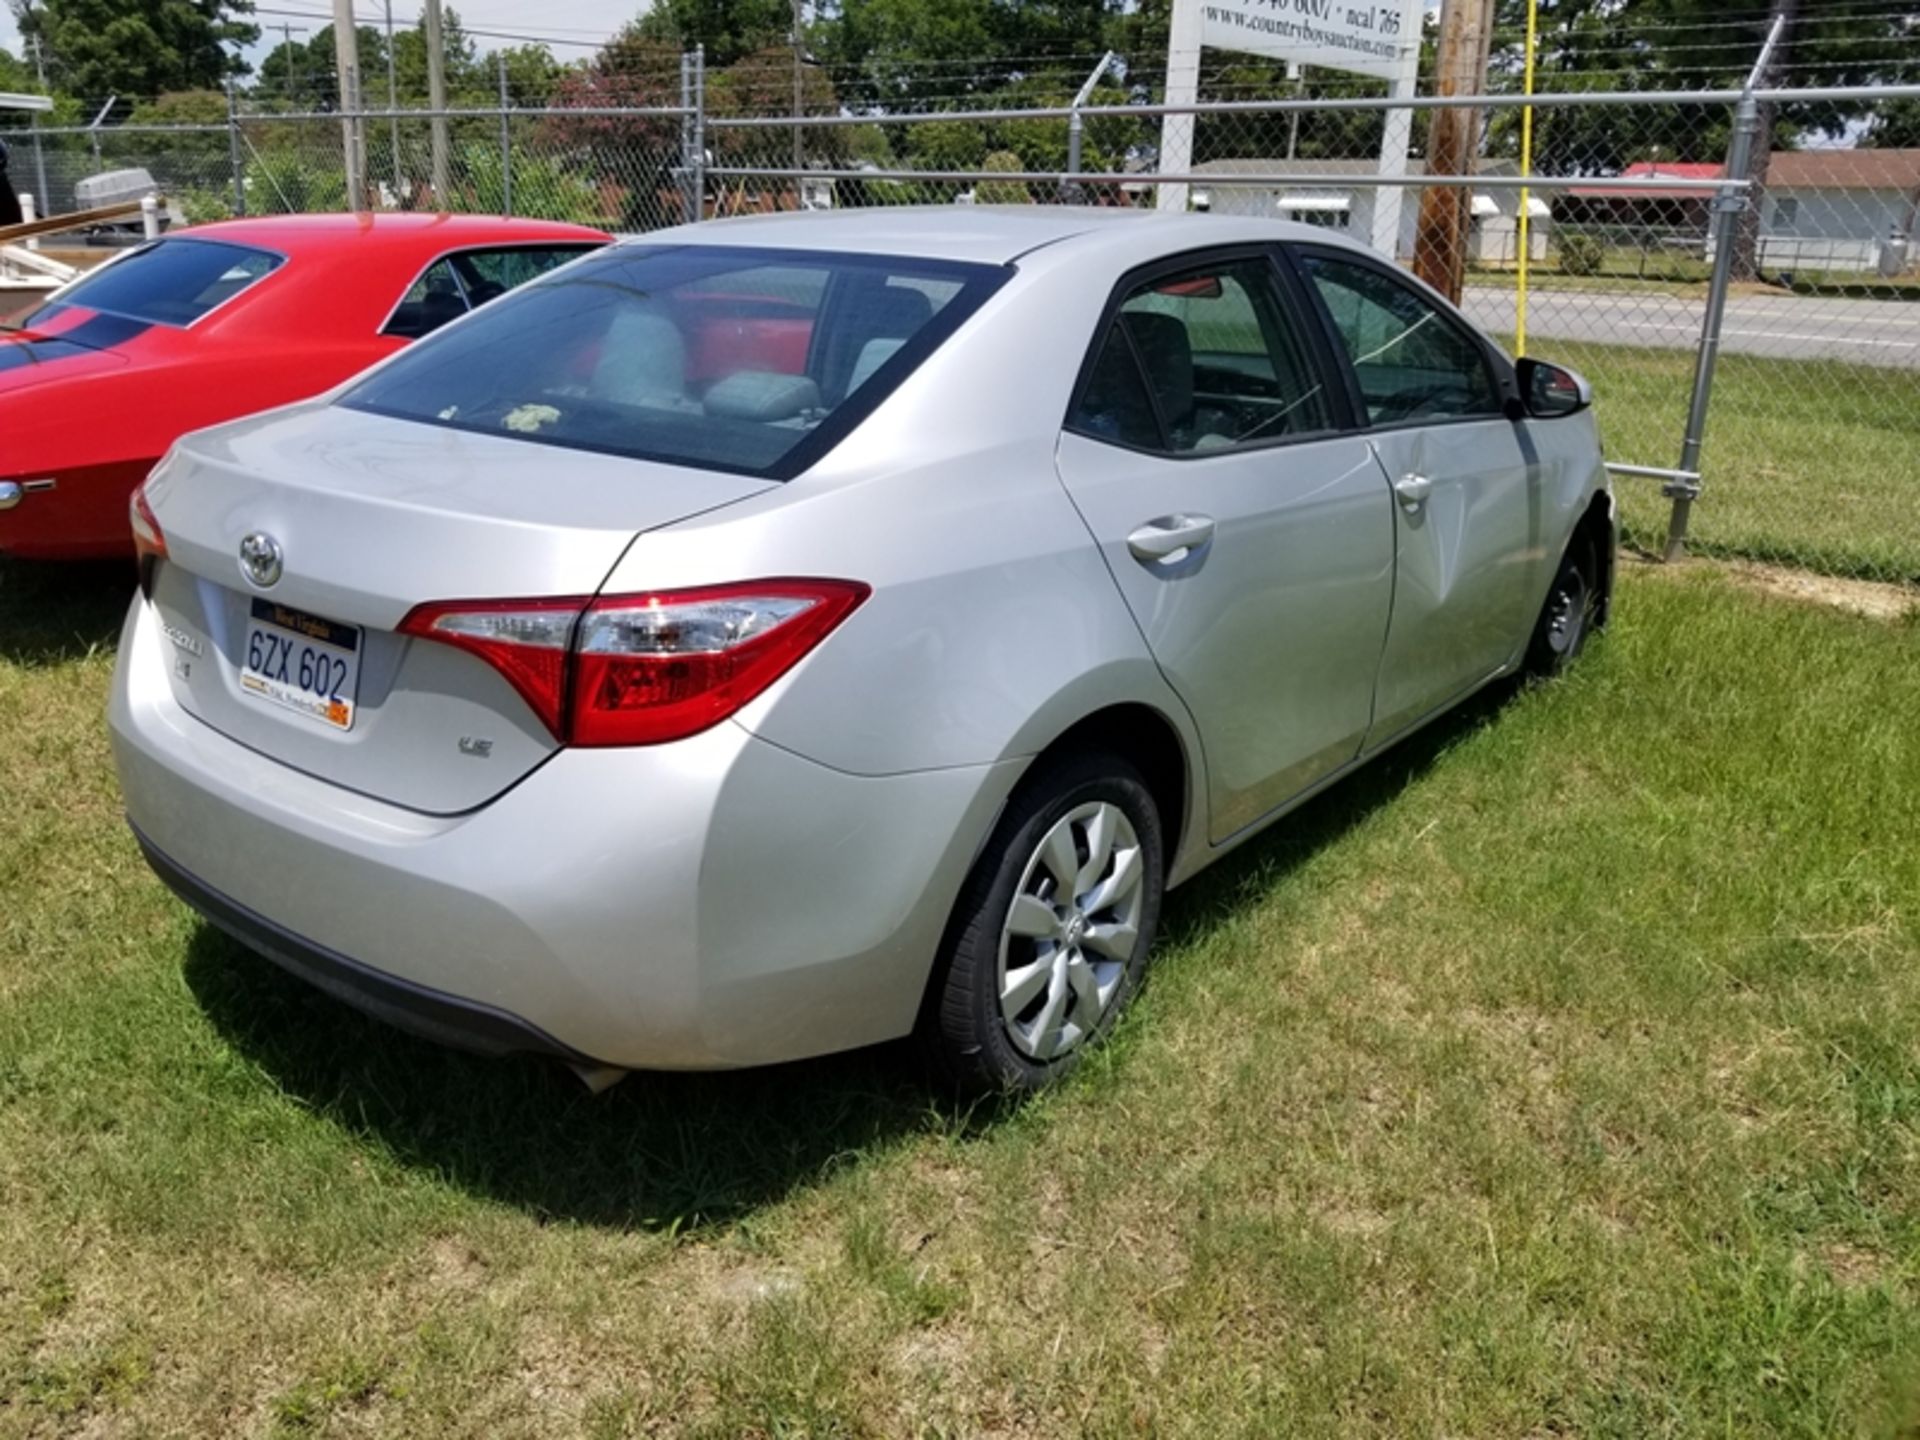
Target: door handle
1170, 535
1413, 490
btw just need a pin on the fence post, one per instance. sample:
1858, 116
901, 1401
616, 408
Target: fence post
700, 127
506, 140
233, 154
688, 213
40, 173
1729, 204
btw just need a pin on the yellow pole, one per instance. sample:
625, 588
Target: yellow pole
1526, 169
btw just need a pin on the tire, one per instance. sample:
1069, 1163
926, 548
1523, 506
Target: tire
1063, 965
1575, 607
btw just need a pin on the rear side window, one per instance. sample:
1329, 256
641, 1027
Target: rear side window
468, 279
171, 282
1200, 361
1413, 362
727, 358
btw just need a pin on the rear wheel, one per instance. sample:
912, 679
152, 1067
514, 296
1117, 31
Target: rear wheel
1572, 612
1050, 937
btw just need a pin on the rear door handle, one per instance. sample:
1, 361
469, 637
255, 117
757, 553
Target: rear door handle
1170, 535
1413, 490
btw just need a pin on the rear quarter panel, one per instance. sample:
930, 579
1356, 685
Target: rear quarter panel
993, 626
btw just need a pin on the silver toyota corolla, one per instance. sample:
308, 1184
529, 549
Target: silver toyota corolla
785, 634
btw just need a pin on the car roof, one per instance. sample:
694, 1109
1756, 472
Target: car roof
293, 235
984, 234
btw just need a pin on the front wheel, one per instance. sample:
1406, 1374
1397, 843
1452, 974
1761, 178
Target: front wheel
1572, 612
1050, 937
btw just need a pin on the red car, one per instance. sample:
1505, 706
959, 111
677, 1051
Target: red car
216, 322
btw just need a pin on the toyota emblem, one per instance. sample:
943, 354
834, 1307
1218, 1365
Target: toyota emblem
260, 558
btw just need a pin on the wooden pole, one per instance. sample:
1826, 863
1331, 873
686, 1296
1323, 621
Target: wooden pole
437, 103
1453, 137
346, 59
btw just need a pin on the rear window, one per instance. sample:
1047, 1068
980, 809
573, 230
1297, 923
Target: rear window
751, 361
171, 282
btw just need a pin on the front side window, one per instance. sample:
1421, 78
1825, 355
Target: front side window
1201, 360
723, 357
1412, 361
171, 282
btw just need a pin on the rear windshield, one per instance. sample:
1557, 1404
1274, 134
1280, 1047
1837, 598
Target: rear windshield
752, 361
172, 282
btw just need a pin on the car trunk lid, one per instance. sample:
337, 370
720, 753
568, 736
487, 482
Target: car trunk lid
366, 517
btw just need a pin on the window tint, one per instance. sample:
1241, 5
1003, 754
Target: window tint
172, 282
723, 357
1412, 361
468, 279
430, 302
1213, 349
499, 271
1114, 404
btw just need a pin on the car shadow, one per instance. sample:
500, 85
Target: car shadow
677, 1151
50, 613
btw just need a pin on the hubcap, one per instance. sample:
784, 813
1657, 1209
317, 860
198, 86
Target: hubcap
1567, 611
1071, 930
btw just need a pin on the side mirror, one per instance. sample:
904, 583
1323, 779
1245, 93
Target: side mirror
1550, 391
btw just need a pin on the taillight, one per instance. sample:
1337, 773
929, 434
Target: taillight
644, 669
525, 640
149, 540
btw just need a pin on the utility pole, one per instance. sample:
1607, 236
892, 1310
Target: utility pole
437, 102
286, 30
1746, 235
393, 115
1453, 138
346, 60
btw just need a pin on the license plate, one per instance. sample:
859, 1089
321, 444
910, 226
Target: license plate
302, 663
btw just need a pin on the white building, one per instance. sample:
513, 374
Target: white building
1837, 209
1494, 238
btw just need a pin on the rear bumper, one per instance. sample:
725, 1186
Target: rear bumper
715, 902
418, 1009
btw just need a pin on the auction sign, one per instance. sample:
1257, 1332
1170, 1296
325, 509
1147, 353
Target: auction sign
1381, 40
1366, 39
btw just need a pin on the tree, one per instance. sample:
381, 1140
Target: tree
138, 48
636, 152
302, 75
532, 74
1002, 192
16, 75
730, 29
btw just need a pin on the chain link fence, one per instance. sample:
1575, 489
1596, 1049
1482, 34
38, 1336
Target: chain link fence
1764, 229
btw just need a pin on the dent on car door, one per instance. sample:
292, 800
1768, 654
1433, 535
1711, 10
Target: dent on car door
1464, 482
1250, 538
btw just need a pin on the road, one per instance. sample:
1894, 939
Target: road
1794, 327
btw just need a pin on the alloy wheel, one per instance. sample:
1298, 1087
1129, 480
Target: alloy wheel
1071, 930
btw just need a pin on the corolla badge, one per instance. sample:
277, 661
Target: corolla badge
260, 558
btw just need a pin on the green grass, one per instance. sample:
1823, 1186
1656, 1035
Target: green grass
1806, 462
1557, 1075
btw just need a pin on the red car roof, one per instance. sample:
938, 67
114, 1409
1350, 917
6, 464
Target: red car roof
294, 235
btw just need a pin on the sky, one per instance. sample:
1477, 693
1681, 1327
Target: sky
571, 28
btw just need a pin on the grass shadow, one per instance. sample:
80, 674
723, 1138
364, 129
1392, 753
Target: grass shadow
659, 1151
672, 1151
1242, 878
50, 613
